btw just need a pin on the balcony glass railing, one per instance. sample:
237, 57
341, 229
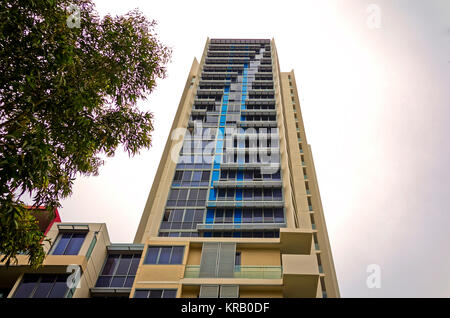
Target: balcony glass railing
257, 272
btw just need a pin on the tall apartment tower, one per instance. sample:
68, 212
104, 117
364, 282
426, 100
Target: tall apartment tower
235, 209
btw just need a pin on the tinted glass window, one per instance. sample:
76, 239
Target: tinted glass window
62, 244
110, 265
152, 255
164, 256
27, 286
177, 255
75, 244
124, 265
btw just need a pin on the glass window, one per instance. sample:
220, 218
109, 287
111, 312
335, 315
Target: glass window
278, 214
69, 243
187, 175
110, 265
118, 281
268, 216
197, 176
164, 256
42, 286
119, 270
237, 260
205, 176
267, 194
189, 216
257, 216
152, 255
60, 288
247, 216
202, 194
277, 194
64, 239
228, 216
124, 265
198, 216
170, 293
219, 216
141, 294
257, 194
178, 176
222, 193
155, 293
26, 287
177, 255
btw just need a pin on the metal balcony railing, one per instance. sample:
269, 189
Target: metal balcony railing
255, 272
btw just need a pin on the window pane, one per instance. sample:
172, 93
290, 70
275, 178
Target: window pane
247, 216
237, 260
193, 194
257, 216
198, 217
173, 194
170, 293
279, 217
197, 176
141, 294
75, 244
129, 281
110, 265
277, 194
202, 194
118, 281
124, 265
152, 255
258, 194
183, 194
165, 255
177, 255
59, 288
205, 176
229, 216
45, 285
156, 293
26, 286
187, 175
177, 215
134, 264
189, 216
62, 244
268, 216
267, 194
178, 175
103, 281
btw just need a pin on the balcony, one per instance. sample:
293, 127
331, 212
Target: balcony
248, 184
242, 272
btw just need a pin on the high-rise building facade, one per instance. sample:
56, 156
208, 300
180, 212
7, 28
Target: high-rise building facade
234, 210
235, 199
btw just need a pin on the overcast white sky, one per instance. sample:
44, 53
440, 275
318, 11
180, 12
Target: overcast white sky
375, 104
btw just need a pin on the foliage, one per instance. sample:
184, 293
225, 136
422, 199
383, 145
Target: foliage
68, 95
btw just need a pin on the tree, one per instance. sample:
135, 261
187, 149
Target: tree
69, 86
